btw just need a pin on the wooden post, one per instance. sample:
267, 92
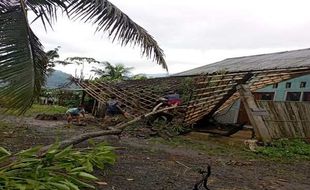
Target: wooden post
251, 108
83, 97
94, 108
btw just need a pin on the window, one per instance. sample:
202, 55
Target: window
288, 85
303, 84
306, 96
267, 96
275, 85
264, 95
293, 96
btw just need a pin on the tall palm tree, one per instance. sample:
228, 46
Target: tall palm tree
22, 59
111, 72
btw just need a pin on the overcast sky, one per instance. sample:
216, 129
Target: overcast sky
191, 33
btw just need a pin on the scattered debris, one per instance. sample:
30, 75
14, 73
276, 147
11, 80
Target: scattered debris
251, 144
101, 183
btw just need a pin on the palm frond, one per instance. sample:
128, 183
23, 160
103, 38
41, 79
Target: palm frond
122, 69
107, 17
46, 10
22, 61
8, 5
99, 72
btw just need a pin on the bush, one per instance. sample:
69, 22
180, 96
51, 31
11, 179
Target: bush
285, 148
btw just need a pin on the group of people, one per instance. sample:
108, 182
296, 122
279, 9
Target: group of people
113, 107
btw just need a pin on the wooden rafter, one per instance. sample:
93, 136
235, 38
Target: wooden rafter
209, 94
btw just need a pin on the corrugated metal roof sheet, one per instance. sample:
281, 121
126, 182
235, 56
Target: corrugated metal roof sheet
280, 60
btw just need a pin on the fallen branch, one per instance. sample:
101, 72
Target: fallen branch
116, 130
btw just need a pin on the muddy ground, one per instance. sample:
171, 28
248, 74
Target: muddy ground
147, 164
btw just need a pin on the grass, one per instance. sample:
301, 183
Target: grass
5, 126
281, 150
210, 147
39, 109
295, 149
47, 109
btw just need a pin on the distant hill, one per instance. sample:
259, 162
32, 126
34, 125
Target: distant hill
57, 79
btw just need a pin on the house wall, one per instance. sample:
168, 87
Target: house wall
231, 115
281, 90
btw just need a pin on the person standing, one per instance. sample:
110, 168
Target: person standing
113, 107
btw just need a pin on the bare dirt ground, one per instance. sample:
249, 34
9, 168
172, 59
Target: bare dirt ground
147, 164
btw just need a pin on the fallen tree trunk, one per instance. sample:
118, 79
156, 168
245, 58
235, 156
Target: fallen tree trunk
116, 130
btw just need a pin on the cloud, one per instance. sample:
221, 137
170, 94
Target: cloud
192, 33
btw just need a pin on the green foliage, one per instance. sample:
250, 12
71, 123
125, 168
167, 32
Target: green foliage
78, 60
186, 89
284, 148
39, 109
51, 56
23, 61
179, 128
111, 72
219, 76
59, 169
65, 98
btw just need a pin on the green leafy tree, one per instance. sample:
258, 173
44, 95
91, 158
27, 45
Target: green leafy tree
112, 73
23, 62
51, 56
77, 60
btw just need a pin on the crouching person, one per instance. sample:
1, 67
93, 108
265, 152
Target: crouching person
75, 113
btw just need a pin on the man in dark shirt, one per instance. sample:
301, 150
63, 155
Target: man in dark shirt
113, 107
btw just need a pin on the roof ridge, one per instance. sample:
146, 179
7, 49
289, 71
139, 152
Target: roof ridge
263, 54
